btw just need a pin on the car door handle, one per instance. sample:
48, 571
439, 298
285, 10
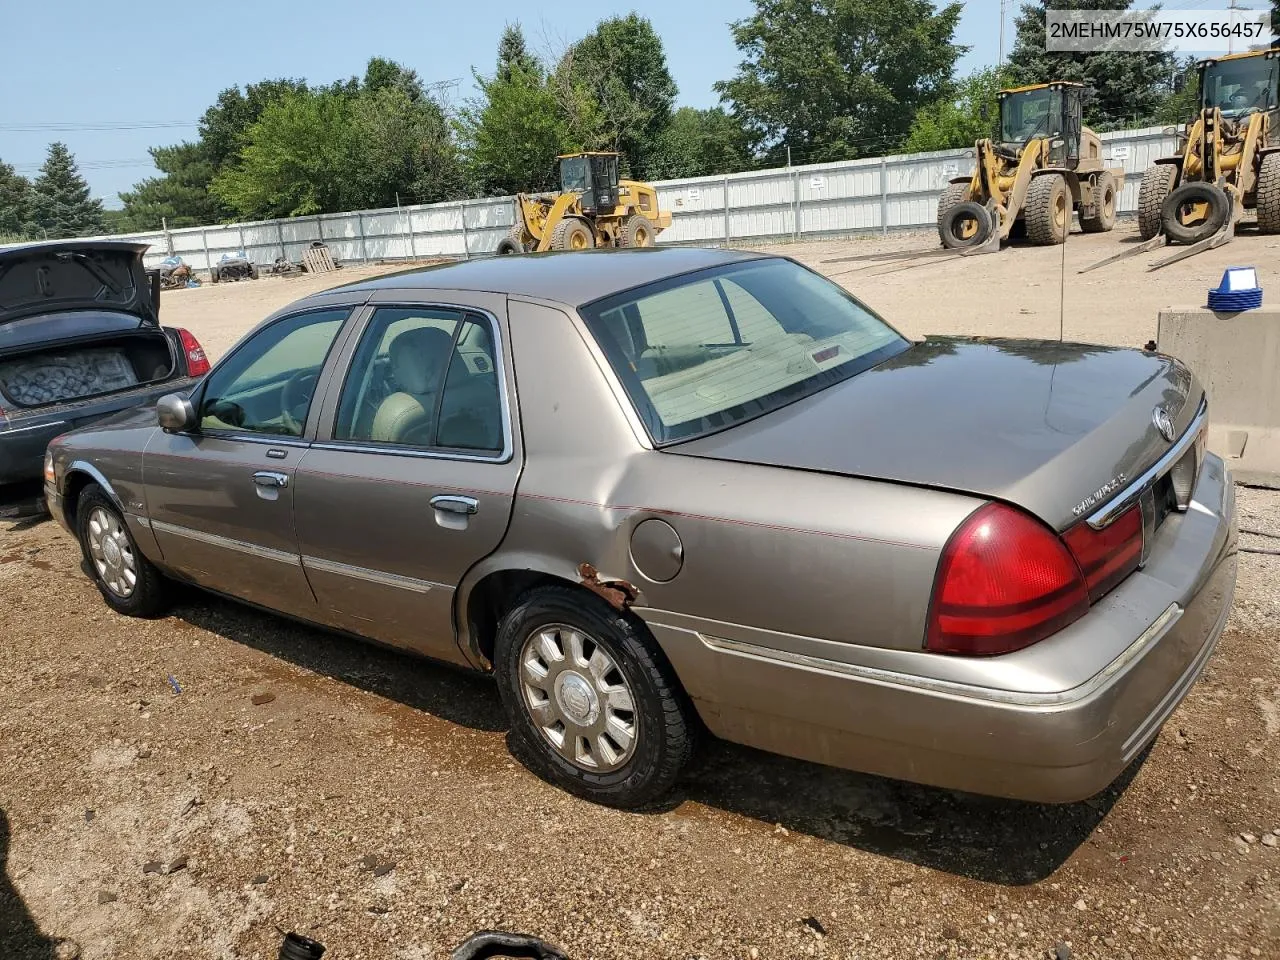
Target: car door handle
466, 506
269, 478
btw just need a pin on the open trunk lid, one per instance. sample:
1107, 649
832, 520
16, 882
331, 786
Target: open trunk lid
1055, 428
67, 275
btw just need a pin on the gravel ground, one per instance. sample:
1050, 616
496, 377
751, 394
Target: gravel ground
183, 786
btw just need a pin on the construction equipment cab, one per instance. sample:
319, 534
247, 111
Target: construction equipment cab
1042, 164
1230, 161
594, 208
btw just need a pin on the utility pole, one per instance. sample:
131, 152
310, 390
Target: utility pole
1000, 56
1231, 41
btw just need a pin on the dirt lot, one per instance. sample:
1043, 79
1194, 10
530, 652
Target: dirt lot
182, 786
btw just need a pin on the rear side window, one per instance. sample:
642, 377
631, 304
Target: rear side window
425, 378
702, 352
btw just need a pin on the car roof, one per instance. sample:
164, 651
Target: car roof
572, 278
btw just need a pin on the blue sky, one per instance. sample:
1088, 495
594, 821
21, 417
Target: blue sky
164, 64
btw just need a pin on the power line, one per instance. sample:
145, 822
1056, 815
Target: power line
95, 125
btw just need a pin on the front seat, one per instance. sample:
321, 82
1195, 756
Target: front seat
418, 361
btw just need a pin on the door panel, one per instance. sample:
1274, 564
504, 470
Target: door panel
217, 525
420, 483
220, 498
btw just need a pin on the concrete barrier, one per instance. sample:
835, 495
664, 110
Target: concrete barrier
1237, 358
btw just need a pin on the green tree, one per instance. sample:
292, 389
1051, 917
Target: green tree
60, 202
1181, 105
619, 68
960, 121
1130, 87
179, 197
402, 148
296, 161
513, 53
15, 200
513, 133
834, 79
699, 143
225, 125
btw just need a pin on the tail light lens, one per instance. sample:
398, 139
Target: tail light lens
1005, 582
197, 362
1108, 555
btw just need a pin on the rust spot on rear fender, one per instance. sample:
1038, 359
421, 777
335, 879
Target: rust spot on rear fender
619, 594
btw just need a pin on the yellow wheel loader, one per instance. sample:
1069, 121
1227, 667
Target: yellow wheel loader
1229, 163
1027, 180
593, 209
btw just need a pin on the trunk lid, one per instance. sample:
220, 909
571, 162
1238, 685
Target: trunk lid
1054, 428
69, 275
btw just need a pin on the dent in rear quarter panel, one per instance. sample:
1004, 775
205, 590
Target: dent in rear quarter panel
777, 550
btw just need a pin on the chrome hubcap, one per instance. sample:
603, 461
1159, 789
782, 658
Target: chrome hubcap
112, 553
578, 698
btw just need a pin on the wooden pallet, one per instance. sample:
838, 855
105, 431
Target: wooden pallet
318, 260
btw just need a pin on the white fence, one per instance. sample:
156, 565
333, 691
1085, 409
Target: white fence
876, 194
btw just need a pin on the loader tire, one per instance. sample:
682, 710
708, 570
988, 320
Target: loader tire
1104, 205
572, 233
1269, 194
1156, 184
637, 231
952, 194
507, 246
1174, 212
1048, 210
966, 224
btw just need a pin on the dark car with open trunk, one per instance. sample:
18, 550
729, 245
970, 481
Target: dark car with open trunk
80, 339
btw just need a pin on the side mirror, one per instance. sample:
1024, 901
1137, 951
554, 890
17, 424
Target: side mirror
175, 414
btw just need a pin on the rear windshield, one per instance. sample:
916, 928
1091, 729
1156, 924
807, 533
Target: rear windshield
707, 350
50, 327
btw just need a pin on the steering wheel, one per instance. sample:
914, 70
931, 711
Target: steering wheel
295, 399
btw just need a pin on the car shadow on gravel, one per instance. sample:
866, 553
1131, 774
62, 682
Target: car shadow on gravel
983, 838
992, 840
420, 684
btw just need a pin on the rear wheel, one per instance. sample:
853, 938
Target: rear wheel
572, 233
637, 231
952, 194
1156, 184
1104, 206
1048, 210
1194, 211
127, 580
1269, 194
594, 706
506, 247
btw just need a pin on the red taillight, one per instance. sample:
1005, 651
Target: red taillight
197, 362
1108, 555
1005, 581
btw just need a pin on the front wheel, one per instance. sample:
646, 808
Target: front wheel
1157, 183
1269, 194
127, 580
594, 706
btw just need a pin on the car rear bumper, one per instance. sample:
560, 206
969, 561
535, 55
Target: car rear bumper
24, 439
1031, 743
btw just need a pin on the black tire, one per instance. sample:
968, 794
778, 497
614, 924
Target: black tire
1048, 210
1217, 209
1019, 229
571, 233
952, 194
637, 231
1104, 205
663, 719
149, 595
1269, 194
1156, 184
214, 274
506, 247
966, 224
253, 272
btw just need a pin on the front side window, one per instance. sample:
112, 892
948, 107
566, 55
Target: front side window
702, 352
573, 173
267, 385
426, 378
